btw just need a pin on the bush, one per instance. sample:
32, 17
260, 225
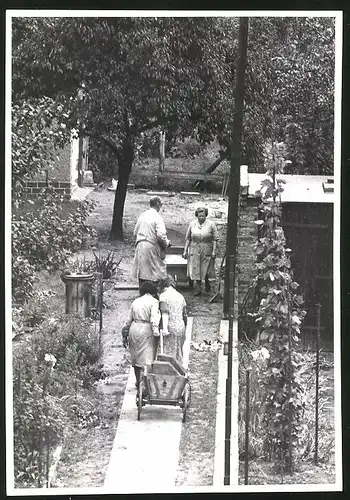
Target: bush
38, 418
36, 311
253, 358
188, 148
60, 356
43, 238
75, 345
256, 402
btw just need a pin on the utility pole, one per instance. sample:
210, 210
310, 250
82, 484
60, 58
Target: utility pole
232, 222
236, 147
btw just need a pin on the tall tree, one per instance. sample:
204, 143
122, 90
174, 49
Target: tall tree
138, 73
178, 73
290, 91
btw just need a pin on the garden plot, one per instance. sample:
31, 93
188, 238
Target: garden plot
90, 432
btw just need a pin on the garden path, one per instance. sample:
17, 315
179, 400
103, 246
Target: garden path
145, 453
196, 446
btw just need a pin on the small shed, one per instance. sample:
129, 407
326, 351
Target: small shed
307, 220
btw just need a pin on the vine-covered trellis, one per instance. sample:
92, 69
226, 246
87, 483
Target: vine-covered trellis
279, 317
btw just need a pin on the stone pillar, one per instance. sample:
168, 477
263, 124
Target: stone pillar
247, 237
78, 293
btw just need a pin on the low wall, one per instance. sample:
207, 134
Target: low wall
34, 188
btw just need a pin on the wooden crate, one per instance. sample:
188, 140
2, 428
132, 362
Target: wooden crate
176, 266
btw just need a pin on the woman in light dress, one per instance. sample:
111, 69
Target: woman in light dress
174, 318
141, 329
200, 250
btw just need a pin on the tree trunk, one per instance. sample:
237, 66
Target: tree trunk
125, 165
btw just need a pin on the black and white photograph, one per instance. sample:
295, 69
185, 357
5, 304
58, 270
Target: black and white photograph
172, 251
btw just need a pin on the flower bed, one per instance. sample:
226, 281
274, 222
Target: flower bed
55, 359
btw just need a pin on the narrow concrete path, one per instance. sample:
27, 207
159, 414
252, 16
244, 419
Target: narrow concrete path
145, 453
219, 458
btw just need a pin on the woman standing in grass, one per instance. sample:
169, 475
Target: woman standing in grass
174, 318
200, 250
142, 327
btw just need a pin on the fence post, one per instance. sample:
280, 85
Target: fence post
47, 459
247, 417
318, 310
161, 150
290, 376
101, 307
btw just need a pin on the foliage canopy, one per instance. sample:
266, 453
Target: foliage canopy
135, 74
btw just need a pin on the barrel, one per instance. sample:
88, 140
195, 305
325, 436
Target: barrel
78, 293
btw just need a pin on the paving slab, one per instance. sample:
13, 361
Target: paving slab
145, 453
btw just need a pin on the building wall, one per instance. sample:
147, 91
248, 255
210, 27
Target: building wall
59, 175
61, 170
247, 237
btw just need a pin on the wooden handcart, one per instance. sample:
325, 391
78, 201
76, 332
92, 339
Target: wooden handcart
176, 265
164, 382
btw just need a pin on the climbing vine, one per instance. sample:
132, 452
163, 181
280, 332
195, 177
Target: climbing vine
279, 318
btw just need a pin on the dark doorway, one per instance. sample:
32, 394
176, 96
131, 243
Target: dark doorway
308, 228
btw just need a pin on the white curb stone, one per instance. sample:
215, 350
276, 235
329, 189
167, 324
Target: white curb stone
219, 457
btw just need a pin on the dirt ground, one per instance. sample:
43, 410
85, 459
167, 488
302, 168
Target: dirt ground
86, 451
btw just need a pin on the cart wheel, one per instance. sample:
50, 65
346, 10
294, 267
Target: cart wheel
186, 401
139, 400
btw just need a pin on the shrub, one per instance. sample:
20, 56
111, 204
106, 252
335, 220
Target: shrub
253, 358
37, 134
256, 400
38, 418
75, 345
60, 356
36, 311
43, 238
188, 148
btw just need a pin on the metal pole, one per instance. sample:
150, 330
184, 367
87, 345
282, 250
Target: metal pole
40, 469
232, 220
161, 150
247, 417
318, 310
236, 147
47, 459
290, 374
229, 373
227, 465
